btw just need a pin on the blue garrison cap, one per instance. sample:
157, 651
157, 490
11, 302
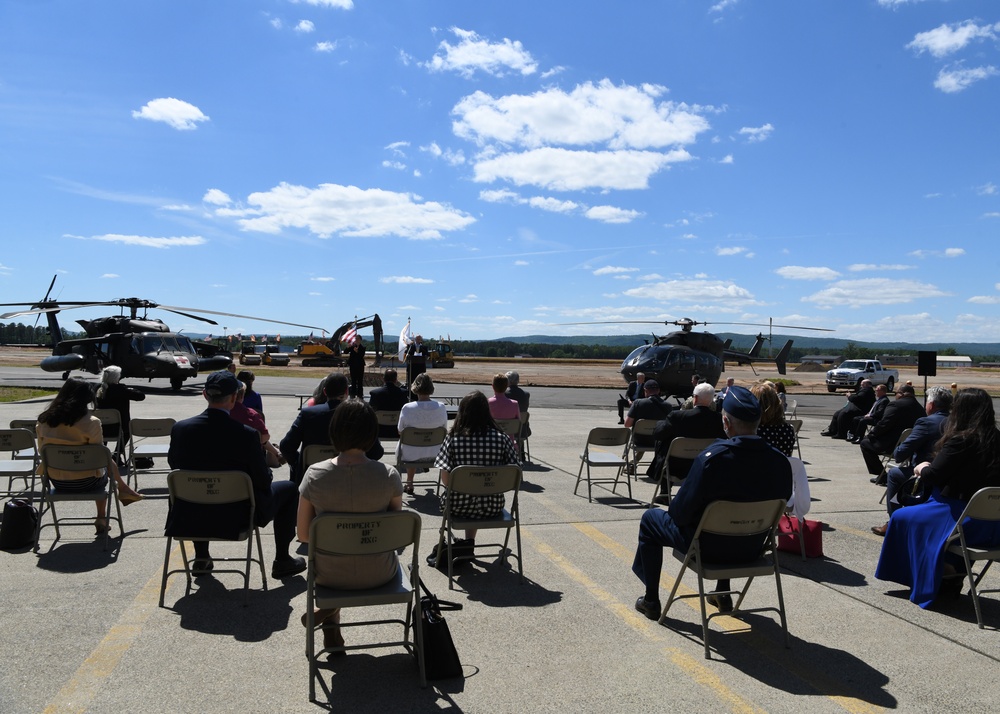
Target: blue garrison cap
741, 404
221, 384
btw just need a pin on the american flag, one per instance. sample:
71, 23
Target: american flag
351, 335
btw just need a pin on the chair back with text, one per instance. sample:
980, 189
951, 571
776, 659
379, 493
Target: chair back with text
388, 420
751, 522
86, 459
314, 453
211, 506
983, 506
642, 432
111, 425
361, 534
147, 442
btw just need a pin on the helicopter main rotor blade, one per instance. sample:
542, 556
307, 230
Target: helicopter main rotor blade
174, 308
186, 314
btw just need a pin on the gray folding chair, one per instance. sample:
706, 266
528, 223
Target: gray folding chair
643, 429
983, 506
387, 418
416, 436
204, 490
604, 437
354, 534
315, 453
85, 459
482, 481
23, 461
754, 519
144, 445
111, 418
681, 447
796, 425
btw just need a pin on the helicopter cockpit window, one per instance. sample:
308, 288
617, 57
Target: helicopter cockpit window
687, 361
674, 358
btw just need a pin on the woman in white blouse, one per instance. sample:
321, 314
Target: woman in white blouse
424, 414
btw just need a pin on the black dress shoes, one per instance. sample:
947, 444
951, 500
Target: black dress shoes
649, 608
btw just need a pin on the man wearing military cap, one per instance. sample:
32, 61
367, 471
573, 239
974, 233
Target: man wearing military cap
742, 467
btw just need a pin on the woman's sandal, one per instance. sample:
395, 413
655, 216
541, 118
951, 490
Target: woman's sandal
101, 526
408, 488
130, 498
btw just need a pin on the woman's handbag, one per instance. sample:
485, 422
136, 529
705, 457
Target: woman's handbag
20, 519
788, 536
440, 656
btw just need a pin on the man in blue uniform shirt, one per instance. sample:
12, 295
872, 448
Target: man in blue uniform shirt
741, 468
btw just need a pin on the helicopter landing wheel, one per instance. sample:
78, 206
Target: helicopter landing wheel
176, 383
65, 376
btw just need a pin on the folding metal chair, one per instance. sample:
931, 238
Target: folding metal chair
604, 437
315, 453
143, 445
796, 425
113, 419
754, 519
353, 534
983, 506
643, 429
482, 481
387, 418
231, 491
417, 436
523, 439
684, 448
23, 461
82, 458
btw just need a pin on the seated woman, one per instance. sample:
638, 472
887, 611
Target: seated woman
66, 422
474, 440
773, 428
255, 420
251, 398
967, 459
349, 483
423, 414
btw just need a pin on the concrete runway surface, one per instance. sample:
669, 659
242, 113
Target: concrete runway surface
82, 631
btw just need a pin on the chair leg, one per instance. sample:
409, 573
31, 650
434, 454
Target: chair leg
166, 565
260, 558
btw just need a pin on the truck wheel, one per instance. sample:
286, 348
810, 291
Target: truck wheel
889, 384
831, 389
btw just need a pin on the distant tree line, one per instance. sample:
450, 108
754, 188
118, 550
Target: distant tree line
16, 333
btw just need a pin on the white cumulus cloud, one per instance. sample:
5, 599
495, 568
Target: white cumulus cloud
216, 197
799, 272
951, 81
473, 53
614, 270
305, 26
405, 280
873, 291
755, 134
176, 113
948, 39
611, 214
692, 291
339, 4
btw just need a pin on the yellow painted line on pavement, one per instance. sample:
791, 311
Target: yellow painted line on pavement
687, 664
79, 692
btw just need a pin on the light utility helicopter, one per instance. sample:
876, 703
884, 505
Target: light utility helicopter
673, 359
143, 347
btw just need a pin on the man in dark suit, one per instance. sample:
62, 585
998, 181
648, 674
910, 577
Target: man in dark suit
652, 406
312, 426
390, 397
632, 392
902, 413
415, 357
857, 405
744, 467
860, 424
212, 441
700, 422
916, 448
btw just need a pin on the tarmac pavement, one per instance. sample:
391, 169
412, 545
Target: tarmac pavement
83, 632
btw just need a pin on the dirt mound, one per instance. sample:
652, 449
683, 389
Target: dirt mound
810, 367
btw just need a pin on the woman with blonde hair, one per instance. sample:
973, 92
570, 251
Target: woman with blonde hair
773, 428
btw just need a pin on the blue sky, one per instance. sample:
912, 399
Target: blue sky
489, 169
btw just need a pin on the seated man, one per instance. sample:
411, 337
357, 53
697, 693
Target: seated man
632, 392
859, 424
702, 421
390, 397
212, 441
522, 398
502, 406
882, 438
857, 405
652, 406
918, 447
312, 426
742, 468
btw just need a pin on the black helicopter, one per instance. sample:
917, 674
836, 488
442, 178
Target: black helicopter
674, 358
143, 347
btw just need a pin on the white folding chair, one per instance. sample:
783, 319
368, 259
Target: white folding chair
643, 429
143, 445
23, 461
482, 481
82, 458
753, 519
207, 491
796, 425
983, 506
354, 534
793, 407
417, 436
603, 437
683, 448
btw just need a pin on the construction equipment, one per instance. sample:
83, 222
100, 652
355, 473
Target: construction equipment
328, 353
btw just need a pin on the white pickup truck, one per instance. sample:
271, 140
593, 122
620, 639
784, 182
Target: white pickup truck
850, 373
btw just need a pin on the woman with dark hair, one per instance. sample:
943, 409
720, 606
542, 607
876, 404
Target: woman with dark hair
349, 483
66, 422
773, 428
251, 399
967, 459
474, 440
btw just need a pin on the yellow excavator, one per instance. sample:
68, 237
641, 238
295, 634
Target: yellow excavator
328, 353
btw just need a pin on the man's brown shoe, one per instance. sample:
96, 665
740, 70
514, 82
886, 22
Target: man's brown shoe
880, 530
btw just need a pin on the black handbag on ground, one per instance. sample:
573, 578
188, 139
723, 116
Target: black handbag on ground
19, 522
440, 656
